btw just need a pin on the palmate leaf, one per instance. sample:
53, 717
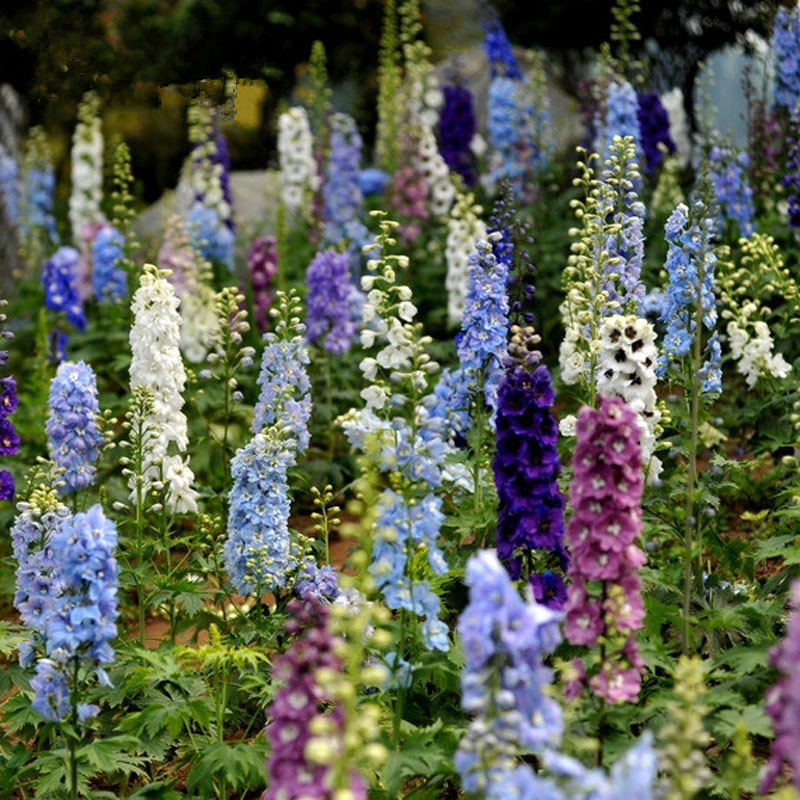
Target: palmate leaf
744, 659
156, 791
753, 717
112, 755
241, 765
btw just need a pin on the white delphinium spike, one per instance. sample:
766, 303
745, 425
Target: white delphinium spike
87, 167
156, 364
298, 178
464, 226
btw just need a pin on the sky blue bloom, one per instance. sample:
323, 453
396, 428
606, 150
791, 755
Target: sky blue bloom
38, 193
622, 119
60, 281
786, 53
83, 622
50, 691
507, 130
257, 551
690, 250
74, 439
9, 185
109, 280
373, 181
399, 529
210, 235
732, 188
285, 394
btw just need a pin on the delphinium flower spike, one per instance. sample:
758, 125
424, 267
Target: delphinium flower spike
297, 704
604, 602
74, 438
464, 226
9, 187
457, 131
298, 168
783, 700
60, 281
733, 193
791, 179
285, 395
262, 267
621, 119
177, 256
258, 555
38, 224
9, 440
530, 521
109, 281
654, 129
504, 684
330, 302
785, 46
156, 364
87, 168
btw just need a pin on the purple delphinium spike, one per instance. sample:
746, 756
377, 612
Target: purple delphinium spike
9, 402
262, 266
604, 598
526, 469
330, 304
654, 127
456, 131
783, 700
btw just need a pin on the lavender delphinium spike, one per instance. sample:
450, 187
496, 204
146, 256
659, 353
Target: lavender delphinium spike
330, 319
9, 402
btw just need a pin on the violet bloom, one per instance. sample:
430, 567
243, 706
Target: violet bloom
330, 302
262, 266
783, 700
297, 703
526, 470
654, 127
605, 595
456, 131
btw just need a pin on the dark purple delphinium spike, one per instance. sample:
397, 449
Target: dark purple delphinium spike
262, 264
456, 131
791, 180
297, 702
510, 250
526, 470
783, 700
654, 127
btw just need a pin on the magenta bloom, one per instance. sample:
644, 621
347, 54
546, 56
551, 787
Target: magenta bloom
783, 700
605, 596
262, 265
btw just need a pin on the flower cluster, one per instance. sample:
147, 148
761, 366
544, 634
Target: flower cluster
604, 598
109, 280
785, 48
262, 267
791, 179
209, 166
341, 191
621, 119
86, 264
298, 176
72, 434
321, 583
498, 48
626, 368
297, 704
285, 390
406, 533
210, 235
783, 700
329, 306
38, 196
690, 265
507, 127
9, 185
464, 226
60, 281
177, 257
678, 123
82, 620
526, 469
456, 132
87, 167
732, 187
654, 127
435, 172
753, 350
410, 193
481, 345
9, 441
504, 682
257, 551
156, 364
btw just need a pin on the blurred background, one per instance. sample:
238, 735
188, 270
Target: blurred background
147, 58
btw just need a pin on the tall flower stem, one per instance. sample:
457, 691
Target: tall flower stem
690, 529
